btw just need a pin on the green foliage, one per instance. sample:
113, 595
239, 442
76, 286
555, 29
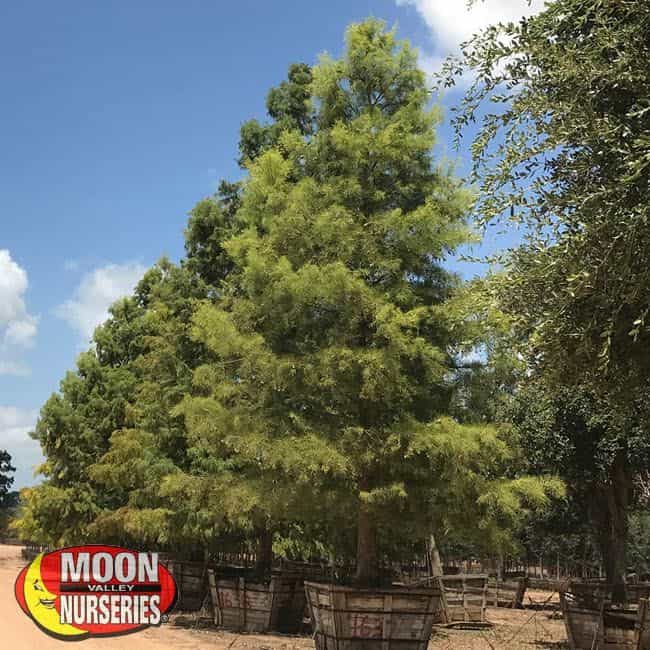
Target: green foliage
639, 551
289, 107
563, 100
564, 104
117, 405
6, 469
57, 516
8, 512
211, 221
8, 500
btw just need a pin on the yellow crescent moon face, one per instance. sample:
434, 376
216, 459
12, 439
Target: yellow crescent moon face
42, 603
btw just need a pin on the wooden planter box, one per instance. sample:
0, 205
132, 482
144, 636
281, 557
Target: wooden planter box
30, 551
506, 593
638, 592
192, 582
465, 597
643, 624
605, 627
589, 594
347, 618
595, 592
248, 605
293, 614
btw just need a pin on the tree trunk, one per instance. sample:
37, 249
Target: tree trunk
435, 565
501, 567
264, 552
610, 514
367, 561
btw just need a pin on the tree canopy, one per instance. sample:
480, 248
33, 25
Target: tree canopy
562, 101
334, 341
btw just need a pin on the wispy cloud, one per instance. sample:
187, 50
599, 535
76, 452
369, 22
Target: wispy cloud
451, 22
96, 292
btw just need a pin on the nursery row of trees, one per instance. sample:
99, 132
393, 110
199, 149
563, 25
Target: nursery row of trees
312, 378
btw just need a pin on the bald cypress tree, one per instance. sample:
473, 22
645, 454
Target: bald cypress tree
334, 343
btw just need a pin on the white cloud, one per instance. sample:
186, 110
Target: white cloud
430, 63
451, 22
18, 327
97, 291
15, 425
23, 331
13, 284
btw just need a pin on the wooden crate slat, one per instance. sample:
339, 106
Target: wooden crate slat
509, 593
465, 597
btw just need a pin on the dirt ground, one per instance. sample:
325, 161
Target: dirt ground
513, 629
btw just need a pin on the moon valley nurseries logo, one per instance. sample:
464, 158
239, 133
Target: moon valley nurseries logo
88, 591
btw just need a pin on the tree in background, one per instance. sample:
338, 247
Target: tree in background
212, 220
563, 100
8, 499
124, 383
152, 444
6, 469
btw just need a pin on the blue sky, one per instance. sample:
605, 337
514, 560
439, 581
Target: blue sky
115, 118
